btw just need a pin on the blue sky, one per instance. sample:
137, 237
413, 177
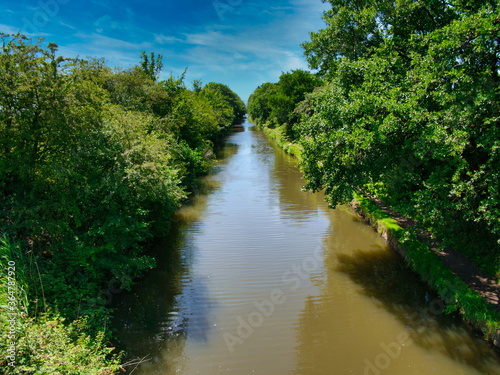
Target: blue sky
241, 43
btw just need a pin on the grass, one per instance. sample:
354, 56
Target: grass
43, 344
13, 277
421, 259
277, 135
377, 215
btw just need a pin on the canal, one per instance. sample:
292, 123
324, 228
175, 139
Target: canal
258, 277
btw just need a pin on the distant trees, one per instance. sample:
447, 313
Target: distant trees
259, 106
224, 99
276, 102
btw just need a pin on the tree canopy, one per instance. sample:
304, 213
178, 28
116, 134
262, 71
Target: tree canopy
275, 103
410, 113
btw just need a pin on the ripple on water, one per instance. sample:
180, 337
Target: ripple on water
342, 294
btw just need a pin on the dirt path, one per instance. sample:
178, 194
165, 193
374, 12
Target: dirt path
475, 278
486, 286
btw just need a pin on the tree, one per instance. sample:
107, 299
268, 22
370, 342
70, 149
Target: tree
197, 85
412, 118
355, 29
259, 108
230, 106
151, 66
276, 102
292, 89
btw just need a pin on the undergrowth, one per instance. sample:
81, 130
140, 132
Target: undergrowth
43, 344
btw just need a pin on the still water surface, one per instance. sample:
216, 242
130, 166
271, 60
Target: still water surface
259, 277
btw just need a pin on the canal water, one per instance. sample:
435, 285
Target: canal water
258, 277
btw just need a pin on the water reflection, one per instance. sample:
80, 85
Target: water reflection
146, 318
253, 232
197, 309
335, 335
295, 206
399, 292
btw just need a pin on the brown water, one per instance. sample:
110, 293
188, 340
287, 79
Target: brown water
262, 278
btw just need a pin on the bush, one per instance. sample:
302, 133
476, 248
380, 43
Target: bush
42, 345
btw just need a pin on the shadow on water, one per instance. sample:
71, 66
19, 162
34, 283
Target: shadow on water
166, 307
138, 312
385, 278
226, 151
169, 304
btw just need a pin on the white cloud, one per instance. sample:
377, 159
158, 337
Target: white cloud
106, 22
98, 41
164, 39
67, 25
291, 62
117, 52
7, 29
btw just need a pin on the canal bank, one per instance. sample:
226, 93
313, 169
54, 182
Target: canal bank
260, 277
460, 284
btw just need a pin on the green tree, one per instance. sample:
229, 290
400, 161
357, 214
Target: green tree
275, 103
356, 29
197, 85
412, 117
83, 182
151, 66
231, 109
259, 108
219, 92
291, 90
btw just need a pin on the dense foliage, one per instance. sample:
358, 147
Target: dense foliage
93, 162
410, 113
275, 103
224, 100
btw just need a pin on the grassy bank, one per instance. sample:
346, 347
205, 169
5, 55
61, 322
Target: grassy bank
277, 135
455, 293
43, 343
